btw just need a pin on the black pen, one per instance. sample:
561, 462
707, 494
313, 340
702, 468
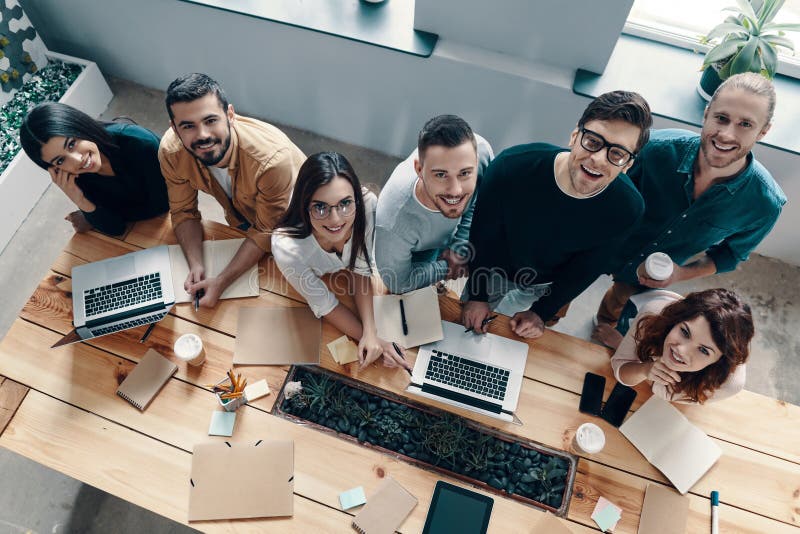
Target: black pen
197, 296
147, 332
403, 318
399, 353
483, 323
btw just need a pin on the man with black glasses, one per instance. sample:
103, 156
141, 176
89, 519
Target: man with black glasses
548, 219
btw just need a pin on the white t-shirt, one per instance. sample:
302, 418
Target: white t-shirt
304, 261
223, 177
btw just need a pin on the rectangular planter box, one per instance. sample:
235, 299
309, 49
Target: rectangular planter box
570, 459
23, 183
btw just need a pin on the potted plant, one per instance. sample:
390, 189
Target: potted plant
746, 41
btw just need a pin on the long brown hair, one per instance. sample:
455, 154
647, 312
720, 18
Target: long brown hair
731, 329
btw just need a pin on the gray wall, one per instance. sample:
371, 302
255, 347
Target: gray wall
367, 95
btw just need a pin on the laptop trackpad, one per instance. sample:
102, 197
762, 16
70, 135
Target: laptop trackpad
121, 268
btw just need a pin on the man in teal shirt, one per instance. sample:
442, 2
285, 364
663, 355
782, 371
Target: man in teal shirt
703, 193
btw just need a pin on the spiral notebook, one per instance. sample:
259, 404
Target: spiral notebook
386, 510
146, 379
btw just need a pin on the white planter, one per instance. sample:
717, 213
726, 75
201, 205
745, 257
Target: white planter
23, 183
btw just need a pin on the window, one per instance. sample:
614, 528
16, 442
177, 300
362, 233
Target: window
683, 22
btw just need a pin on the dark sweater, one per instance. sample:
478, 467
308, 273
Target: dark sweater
136, 191
534, 233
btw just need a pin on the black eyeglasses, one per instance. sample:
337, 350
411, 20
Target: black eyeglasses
616, 154
321, 210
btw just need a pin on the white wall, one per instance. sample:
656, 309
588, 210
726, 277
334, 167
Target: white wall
358, 93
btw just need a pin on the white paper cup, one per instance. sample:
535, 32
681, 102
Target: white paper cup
189, 348
658, 266
589, 439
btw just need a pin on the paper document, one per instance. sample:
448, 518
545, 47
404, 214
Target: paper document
277, 336
663, 511
671, 443
423, 318
216, 256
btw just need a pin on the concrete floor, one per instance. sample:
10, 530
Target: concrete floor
36, 499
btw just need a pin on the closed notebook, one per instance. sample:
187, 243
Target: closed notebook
680, 450
663, 511
386, 510
146, 379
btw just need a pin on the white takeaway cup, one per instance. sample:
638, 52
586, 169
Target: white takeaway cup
589, 438
189, 348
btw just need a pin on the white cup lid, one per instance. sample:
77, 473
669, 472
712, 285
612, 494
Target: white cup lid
658, 266
188, 346
590, 438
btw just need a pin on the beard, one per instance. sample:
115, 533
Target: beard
719, 160
211, 158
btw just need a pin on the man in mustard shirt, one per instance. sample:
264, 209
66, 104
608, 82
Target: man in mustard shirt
249, 166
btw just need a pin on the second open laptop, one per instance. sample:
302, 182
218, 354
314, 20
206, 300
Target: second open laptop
120, 293
481, 373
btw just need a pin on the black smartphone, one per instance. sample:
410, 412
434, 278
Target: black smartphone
592, 394
618, 404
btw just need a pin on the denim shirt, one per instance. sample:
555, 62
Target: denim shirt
727, 221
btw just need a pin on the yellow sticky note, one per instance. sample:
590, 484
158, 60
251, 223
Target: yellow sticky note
343, 350
256, 390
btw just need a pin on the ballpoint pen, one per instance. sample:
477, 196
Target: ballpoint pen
403, 318
483, 323
197, 296
147, 332
399, 353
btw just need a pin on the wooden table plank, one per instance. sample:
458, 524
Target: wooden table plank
11, 396
135, 467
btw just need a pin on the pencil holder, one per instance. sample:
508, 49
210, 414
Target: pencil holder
230, 405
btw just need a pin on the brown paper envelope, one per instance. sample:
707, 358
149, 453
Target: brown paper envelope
664, 511
550, 524
241, 480
277, 336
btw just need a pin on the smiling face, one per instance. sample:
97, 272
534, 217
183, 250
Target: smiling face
75, 156
204, 128
732, 124
447, 178
689, 346
336, 228
589, 172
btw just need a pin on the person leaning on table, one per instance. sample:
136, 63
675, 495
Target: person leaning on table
692, 349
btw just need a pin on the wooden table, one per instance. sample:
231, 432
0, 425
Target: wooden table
59, 408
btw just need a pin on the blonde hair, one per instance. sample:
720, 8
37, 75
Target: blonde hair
752, 83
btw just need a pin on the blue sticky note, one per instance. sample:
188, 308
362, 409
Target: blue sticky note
352, 498
222, 423
606, 518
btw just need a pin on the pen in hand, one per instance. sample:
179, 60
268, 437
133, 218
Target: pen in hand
197, 296
400, 353
485, 322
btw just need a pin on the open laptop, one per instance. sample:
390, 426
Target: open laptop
120, 293
479, 372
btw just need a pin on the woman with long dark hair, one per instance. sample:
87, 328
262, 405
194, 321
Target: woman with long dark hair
693, 349
110, 171
328, 227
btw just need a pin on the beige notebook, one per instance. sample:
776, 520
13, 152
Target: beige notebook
146, 379
241, 480
671, 443
663, 511
386, 510
277, 336
423, 318
216, 256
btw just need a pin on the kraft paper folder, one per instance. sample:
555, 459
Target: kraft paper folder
386, 510
216, 256
671, 443
241, 480
277, 336
423, 317
663, 511
146, 379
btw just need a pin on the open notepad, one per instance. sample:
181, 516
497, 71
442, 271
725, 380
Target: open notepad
423, 318
671, 443
216, 256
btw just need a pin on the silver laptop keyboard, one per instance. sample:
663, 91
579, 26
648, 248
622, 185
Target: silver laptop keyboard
128, 324
122, 294
467, 374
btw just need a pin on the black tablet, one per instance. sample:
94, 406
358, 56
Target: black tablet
455, 509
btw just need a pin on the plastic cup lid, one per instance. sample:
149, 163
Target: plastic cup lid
590, 437
188, 346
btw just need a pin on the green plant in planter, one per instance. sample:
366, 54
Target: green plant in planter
318, 389
748, 40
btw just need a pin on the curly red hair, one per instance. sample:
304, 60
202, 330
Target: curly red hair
731, 329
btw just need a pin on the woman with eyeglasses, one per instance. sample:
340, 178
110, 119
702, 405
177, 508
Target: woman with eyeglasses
110, 171
328, 227
692, 349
